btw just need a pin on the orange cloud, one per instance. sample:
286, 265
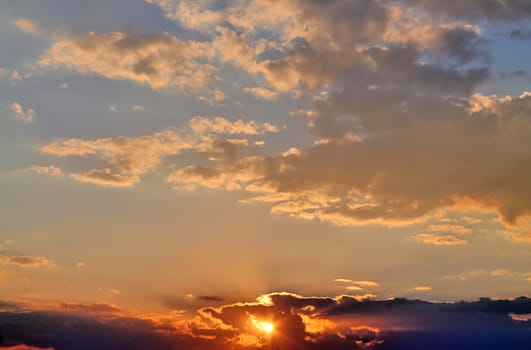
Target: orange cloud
26, 116
33, 262
26, 25
160, 60
261, 92
439, 240
422, 288
105, 177
100, 308
220, 125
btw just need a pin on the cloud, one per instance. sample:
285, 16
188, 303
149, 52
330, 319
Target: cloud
501, 273
360, 283
354, 288
495, 10
401, 165
27, 116
438, 240
130, 157
521, 34
33, 262
210, 298
457, 229
313, 323
260, 92
220, 125
293, 43
24, 347
392, 107
105, 177
100, 308
26, 25
159, 60
218, 95
422, 289
51, 170
11, 306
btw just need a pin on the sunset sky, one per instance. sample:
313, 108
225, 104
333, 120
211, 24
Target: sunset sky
161, 159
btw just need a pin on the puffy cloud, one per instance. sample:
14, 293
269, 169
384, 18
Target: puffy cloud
26, 25
33, 262
131, 157
293, 43
26, 116
159, 60
393, 162
400, 132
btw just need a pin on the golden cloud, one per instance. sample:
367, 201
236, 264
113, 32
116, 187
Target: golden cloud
160, 60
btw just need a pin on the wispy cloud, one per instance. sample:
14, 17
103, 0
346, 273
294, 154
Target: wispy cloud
25, 115
33, 262
438, 240
26, 25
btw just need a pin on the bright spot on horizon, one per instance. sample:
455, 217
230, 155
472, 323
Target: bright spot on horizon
268, 327
264, 326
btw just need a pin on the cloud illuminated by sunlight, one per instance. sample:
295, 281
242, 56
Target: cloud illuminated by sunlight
263, 326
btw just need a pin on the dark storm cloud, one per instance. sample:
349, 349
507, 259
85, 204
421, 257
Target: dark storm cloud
300, 323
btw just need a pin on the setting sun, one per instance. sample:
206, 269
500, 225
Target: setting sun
264, 326
268, 327
265, 174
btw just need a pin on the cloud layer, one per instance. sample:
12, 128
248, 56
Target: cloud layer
401, 132
299, 322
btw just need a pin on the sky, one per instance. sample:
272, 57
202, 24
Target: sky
204, 168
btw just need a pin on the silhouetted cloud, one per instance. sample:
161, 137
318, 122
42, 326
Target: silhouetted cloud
299, 322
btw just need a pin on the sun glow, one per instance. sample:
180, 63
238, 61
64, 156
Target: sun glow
264, 326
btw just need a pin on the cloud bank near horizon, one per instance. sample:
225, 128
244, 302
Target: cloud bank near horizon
343, 322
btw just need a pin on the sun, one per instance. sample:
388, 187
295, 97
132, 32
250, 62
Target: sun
268, 327
264, 326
